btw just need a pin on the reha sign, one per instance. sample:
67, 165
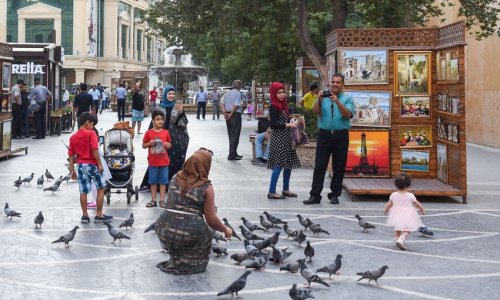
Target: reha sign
27, 68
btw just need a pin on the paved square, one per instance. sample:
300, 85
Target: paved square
461, 261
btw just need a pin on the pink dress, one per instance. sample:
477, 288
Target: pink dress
403, 216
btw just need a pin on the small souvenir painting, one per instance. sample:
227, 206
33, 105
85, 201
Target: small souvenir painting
442, 162
415, 136
415, 107
414, 160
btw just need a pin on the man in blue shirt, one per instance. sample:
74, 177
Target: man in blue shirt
120, 94
334, 120
201, 99
42, 96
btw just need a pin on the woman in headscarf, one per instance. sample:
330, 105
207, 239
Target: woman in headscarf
281, 154
181, 228
176, 123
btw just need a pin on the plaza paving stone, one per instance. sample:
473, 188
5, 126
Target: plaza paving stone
461, 261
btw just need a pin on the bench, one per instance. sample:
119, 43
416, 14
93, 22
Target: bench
251, 138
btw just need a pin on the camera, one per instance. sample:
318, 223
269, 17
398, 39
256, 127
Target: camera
326, 93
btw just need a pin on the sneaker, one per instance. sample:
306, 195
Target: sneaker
144, 189
103, 219
85, 220
91, 205
401, 244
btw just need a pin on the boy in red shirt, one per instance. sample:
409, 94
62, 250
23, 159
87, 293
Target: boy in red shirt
158, 141
84, 144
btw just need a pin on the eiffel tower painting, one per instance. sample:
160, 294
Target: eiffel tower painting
368, 153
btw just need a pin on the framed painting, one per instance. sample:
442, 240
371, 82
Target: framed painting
310, 76
412, 73
415, 107
6, 134
6, 106
367, 66
415, 136
442, 162
447, 66
332, 64
6, 72
368, 154
415, 160
372, 109
1, 134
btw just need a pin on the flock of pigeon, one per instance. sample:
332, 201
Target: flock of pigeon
39, 182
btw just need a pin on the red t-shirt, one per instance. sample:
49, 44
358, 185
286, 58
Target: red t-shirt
153, 94
157, 154
82, 143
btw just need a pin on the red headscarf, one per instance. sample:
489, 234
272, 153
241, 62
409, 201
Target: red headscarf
273, 91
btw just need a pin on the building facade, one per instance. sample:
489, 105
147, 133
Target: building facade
102, 39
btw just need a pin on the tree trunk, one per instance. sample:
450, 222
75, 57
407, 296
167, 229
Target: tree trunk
307, 45
339, 13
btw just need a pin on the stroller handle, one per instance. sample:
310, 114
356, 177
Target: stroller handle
132, 157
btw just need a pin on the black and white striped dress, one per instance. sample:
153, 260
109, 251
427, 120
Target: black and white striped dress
281, 153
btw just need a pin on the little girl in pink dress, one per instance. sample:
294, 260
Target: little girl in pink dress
402, 213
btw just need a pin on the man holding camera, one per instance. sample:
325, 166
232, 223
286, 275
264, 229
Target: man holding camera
335, 110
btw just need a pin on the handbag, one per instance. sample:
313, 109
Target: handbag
34, 107
298, 135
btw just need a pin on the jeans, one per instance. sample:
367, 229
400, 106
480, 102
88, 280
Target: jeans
120, 107
40, 120
216, 107
330, 144
201, 106
233, 130
276, 175
259, 139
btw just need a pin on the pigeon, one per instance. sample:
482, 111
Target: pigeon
284, 254
277, 256
52, 188
68, 237
292, 267
39, 181
18, 182
273, 219
67, 177
303, 221
274, 238
309, 275
259, 262
299, 294
261, 245
218, 237
236, 286
300, 238
425, 231
373, 275
128, 222
309, 251
316, 228
266, 224
249, 235
39, 220
363, 224
59, 180
29, 178
9, 212
150, 227
234, 231
251, 226
113, 232
239, 257
219, 250
290, 231
250, 249
332, 268
48, 175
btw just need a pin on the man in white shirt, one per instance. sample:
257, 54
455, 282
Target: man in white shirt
17, 117
96, 96
65, 98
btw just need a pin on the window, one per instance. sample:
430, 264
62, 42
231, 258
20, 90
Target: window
139, 45
124, 41
39, 30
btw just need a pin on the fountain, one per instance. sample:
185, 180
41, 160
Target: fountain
178, 71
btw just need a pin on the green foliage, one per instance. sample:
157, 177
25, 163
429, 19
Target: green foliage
311, 122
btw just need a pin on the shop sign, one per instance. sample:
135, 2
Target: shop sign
27, 68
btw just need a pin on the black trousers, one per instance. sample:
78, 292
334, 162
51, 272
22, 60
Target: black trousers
17, 120
201, 106
120, 107
336, 145
40, 120
233, 131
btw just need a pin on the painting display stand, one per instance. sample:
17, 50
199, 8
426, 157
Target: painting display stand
410, 84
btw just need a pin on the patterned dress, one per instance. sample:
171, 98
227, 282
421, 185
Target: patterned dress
183, 232
281, 153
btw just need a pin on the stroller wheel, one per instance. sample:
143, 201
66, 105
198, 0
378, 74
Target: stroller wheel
136, 192
129, 196
108, 197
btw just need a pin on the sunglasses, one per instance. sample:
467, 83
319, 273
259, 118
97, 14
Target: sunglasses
209, 151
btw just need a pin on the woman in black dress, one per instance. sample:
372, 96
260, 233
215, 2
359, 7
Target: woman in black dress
281, 153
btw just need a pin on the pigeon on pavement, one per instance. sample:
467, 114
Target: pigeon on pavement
150, 227
236, 286
425, 231
309, 275
309, 251
39, 181
59, 180
277, 256
364, 224
300, 238
292, 267
67, 177
251, 226
259, 262
316, 228
303, 221
274, 238
290, 231
267, 224
285, 254
68, 237
39, 220
219, 250
299, 293
52, 188
373, 274
234, 231
9, 212
332, 268
29, 178
273, 219
218, 237
261, 245
239, 257
250, 249
128, 222
115, 234
249, 235
48, 175
18, 182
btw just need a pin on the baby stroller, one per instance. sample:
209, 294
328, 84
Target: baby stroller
119, 156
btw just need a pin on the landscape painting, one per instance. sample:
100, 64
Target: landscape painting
414, 160
412, 73
372, 109
363, 66
6, 132
447, 66
368, 154
442, 163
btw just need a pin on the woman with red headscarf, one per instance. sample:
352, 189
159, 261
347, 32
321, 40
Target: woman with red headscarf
281, 154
